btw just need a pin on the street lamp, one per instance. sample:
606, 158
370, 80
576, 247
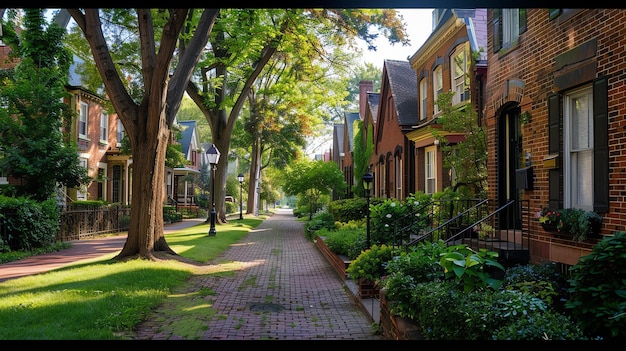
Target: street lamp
240, 179
213, 155
367, 180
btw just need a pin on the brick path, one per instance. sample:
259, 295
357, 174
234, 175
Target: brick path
275, 285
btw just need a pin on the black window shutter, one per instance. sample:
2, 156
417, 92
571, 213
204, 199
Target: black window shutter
554, 147
522, 21
497, 30
600, 145
554, 124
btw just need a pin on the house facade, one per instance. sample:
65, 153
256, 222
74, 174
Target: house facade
392, 162
554, 114
442, 64
95, 131
181, 182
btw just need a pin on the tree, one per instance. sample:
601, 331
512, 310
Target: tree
244, 42
467, 158
362, 151
311, 179
34, 143
148, 103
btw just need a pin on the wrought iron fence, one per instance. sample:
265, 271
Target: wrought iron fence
88, 221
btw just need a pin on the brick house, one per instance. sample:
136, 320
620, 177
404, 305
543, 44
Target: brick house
441, 64
554, 113
393, 160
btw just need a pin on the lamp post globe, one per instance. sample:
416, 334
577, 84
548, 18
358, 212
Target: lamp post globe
213, 156
367, 184
240, 179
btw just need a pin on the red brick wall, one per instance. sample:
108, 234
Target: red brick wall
533, 62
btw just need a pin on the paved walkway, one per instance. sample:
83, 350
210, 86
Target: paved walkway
281, 288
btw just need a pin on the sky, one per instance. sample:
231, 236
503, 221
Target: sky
418, 27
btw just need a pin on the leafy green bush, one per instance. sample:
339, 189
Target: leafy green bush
598, 288
345, 210
543, 280
321, 220
548, 325
471, 268
418, 265
34, 225
347, 241
371, 263
446, 313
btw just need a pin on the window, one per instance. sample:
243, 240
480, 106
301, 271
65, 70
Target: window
82, 120
578, 144
120, 132
104, 127
430, 171
81, 194
508, 24
423, 99
459, 61
437, 87
398, 174
102, 176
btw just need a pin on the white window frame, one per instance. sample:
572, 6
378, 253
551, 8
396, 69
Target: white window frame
120, 132
423, 99
81, 192
103, 166
104, 127
398, 171
83, 118
578, 148
430, 170
437, 87
459, 66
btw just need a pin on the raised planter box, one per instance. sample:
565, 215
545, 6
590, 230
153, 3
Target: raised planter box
367, 289
395, 327
339, 263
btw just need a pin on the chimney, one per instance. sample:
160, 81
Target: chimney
365, 86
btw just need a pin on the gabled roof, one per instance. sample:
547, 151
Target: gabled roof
186, 135
350, 117
338, 130
373, 100
403, 85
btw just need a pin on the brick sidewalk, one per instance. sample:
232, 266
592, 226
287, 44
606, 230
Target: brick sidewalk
277, 286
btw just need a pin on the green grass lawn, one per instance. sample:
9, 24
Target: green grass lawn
104, 299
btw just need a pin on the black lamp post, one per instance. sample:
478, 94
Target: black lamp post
240, 179
213, 154
367, 183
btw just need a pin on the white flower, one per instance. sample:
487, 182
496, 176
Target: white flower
386, 225
388, 215
416, 203
393, 204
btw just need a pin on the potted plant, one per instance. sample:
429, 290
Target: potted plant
548, 218
580, 223
589, 223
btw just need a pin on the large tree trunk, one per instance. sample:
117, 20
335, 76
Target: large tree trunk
148, 124
145, 234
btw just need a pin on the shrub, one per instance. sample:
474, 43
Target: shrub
598, 288
34, 225
370, 264
418, 265
541, 280
345, 241
469, 268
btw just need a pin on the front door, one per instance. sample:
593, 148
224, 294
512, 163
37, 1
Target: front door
511, 151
